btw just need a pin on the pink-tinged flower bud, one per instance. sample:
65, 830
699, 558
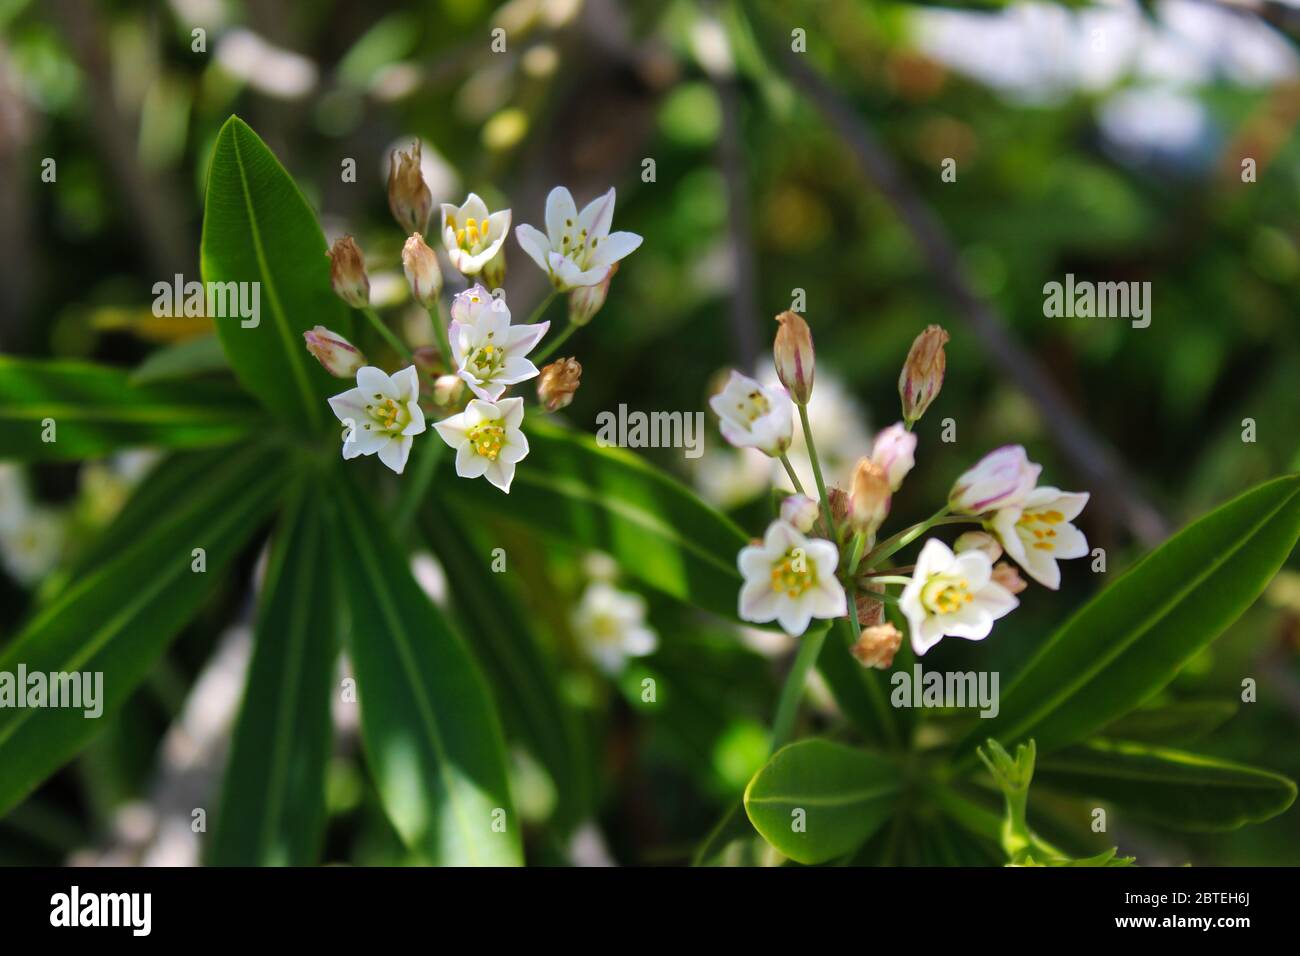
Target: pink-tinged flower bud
339, 356
586, 300
420, 263
1000, 479
1009, 577
348, 273
494, 272
408, 196
447, 390
894, 450
876, 646
922, 374
800, 511
978, 541
870, 497
557, 383
793, 354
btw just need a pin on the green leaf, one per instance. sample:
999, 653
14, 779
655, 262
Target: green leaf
1170, 788
257, 227
608, 499
844, 795
93, 410
273, 800
525, 681
182, 360
1128, 642
1177, 723
117, 619
432, 737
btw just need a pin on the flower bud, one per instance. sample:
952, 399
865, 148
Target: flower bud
800, 511
870, 497
978, 541
1000, 479
922, 374
1009, 577
420, 263
586, 300
494, 272
348, 273
408, 196
446, 390
557, 383
876, 646
793, 354
894, 450
428, 361
871, 611
339, 356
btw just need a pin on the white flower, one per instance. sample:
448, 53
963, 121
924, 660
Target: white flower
610, 624
894, 450
1037, 533
800, 511
381, 415
30, 546
577, 249
15, 501
952, 594
487, 440
790, 579
471, 235
489, 351
1000, 479
751, 416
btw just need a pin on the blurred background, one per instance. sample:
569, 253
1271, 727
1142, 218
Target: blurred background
796, 148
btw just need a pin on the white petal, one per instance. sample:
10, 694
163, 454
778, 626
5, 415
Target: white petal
468, 464
407, 383
794, 616
452, 430
610, 249
416, 425
349, 405
597, 215
515, 448
372, 380
516, 370
758, 602
522, 339
1042, 567
512, 410
501, 473
561, 213
395, 452
1070, 542
535, 244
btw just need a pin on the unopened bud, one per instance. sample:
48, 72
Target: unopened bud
895, 451
348, 273
870, 497
557, 383
1008, 575
408, 196
978, 541
586, 300
800, 511
420, 263
428, 360
922, 374
871, 611
793, 354
494, 272
340, 357
447, 390
877, 645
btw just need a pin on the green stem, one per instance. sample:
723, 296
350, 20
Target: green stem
439, 319
557, 342
789, 470
388, 335
905, 537
855, 556
787, 708
542, 307
817, 473
889, 579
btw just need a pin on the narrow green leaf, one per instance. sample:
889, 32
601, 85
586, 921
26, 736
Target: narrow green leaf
1129, 641
116, 619
59, 410
432, 737
816, 800
1171, 788
273, 802
1177, 723
258, 228
182, 360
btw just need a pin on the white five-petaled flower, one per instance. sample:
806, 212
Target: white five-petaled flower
577, 249
1037, 533
489, 351
790, 579
381, 415
471, 235
487, 440
752, 416
952, 594
1000, 479
611, 626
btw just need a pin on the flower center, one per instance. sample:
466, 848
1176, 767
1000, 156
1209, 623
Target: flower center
754, 406
794, 573
604, 628
473, 235
487, 439
1035, 528
577, 247
945, 595
387, 414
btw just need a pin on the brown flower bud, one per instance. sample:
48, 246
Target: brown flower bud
348, 273
922, 374
557, 383
870, 611
793, 354
1008, 575
408, 196
420, 263
339, 356
839, 502
870, 497
586, 300
877, 645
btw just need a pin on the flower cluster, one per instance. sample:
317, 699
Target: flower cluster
823, 556
480, 352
